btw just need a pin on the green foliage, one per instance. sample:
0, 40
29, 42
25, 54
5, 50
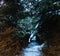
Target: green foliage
25, 14
49, 19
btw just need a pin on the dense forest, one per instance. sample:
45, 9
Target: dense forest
21, 18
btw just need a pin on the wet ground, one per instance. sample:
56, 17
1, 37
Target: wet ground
33, 49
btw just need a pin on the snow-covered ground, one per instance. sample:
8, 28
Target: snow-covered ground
33, 49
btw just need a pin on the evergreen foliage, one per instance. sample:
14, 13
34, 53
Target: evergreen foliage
46, 12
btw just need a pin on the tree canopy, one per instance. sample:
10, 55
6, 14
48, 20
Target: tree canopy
24, 14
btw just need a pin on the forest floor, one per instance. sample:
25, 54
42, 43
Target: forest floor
53, 50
